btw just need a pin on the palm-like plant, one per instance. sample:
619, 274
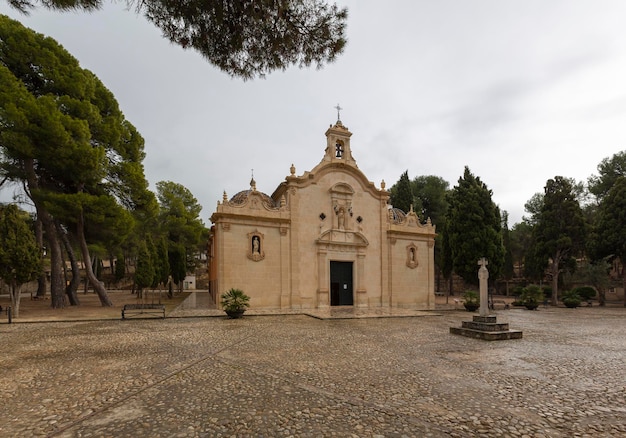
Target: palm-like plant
235, 300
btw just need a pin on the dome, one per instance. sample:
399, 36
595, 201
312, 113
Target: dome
241, 198
396, 215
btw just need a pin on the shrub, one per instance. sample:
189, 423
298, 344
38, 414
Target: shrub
471, 297
571, 299
471, 300
532, 296
585, 292
235, 300
517, 290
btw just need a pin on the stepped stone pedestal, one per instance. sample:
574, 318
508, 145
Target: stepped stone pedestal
486, 328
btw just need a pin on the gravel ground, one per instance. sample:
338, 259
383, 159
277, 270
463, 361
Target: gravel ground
293, 375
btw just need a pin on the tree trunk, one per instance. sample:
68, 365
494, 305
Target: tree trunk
624, 282
16, 290
601, 297
72, 288
555, 281
57, 283
97, 285
41, 280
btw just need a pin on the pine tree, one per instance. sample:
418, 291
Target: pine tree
401, 194
474, 229
559, 234
610, 227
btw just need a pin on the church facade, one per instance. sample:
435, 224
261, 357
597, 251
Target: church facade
325, 238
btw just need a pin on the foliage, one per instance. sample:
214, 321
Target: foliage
585, 292
471, 297
180, 219
401, 195
64, 138
532, 296
596, 274
609, 170
19, 254
177, 261
571, 299
446, 251
609, 231
474, 229
429, 197
533, 206
120, 267
162, 268
507, 267
154, 262
471, 301
242, 38
144, 269
235, 300
559, 233
520, 242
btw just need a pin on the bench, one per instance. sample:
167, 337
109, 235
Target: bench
136, 310
492, 304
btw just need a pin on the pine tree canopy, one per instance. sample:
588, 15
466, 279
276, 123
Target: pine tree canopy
243, 38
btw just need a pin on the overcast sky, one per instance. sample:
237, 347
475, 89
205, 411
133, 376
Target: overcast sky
519, 91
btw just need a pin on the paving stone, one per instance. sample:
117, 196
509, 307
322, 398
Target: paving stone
293, 375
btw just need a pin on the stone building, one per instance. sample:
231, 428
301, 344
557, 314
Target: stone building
325, 238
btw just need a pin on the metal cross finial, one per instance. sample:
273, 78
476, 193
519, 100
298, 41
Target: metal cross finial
338, 108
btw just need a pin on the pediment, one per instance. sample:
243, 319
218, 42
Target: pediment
342, 188
342, 237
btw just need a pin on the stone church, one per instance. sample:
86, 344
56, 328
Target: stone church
325, 238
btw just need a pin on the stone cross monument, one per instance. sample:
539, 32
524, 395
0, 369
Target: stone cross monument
483, 277
485, 326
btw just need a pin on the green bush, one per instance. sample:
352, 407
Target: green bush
571, 299
471, 297
532, 296
585, 292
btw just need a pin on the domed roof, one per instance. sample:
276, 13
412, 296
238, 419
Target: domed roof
396, 215
241, 198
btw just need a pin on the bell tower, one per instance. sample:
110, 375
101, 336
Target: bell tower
338, 143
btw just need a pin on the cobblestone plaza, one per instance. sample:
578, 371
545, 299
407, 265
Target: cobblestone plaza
294, 375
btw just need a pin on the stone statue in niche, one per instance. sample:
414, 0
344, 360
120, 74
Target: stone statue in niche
411, 258
341, 219
255, 248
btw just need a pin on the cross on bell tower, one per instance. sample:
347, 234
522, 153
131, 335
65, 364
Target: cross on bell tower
338, 108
